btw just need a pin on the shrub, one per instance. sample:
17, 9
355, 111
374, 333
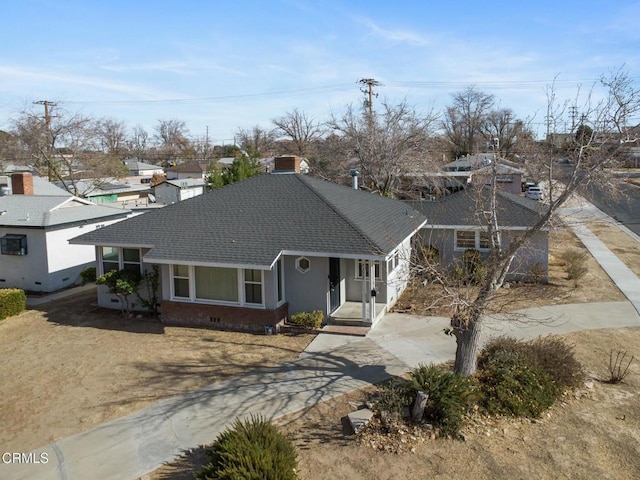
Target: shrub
618, 371
557, 359
510, 386
537, 272
496, 346
253, 449
470, 269
12, 302
575, 264
88, 275
394, 396
551, 354
307, 319
449, 399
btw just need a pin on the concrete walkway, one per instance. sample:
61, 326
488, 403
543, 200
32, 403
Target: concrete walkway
130, 447
576, 217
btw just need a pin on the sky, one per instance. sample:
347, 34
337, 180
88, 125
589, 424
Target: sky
224, 65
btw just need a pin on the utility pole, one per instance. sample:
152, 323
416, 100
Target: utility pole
47, 123
573, 109
367, 89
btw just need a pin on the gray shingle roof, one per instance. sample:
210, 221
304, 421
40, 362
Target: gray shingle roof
51, 211
252, 221
464, 207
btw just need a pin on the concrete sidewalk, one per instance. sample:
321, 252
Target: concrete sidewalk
627, 281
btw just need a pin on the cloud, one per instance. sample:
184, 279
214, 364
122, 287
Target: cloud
26, 78
397, 36
180, 68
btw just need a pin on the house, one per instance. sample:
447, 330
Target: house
478, 170
36, 221
254, 252
173, 191
193, 169
455, 224
138, 168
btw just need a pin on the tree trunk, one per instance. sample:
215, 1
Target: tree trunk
467, 333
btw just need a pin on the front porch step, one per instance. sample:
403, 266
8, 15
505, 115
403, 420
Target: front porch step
347, 322
354, 330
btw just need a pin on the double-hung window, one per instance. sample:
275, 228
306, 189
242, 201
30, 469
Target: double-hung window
253, 286
181, 281
362, 269
472, 239
114, 258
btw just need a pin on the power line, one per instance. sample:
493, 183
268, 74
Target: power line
446, 84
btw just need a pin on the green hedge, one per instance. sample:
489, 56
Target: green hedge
307, 319
12, 302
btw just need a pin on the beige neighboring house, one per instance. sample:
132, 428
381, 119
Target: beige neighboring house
36, 221
195, 169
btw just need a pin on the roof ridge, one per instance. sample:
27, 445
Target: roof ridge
301, 178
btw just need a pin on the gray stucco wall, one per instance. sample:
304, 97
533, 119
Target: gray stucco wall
535, 251
307, 291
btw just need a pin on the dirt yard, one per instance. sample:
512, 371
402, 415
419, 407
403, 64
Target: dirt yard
594, 433
596, 286
69, 366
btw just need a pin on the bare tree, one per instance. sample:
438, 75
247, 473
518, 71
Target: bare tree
502, 131
464, 120
172, 138
590, 164
384, 146
301, 129
138, 142
64, 147
256, 141
112, 135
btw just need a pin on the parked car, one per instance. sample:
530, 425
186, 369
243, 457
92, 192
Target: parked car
534, 193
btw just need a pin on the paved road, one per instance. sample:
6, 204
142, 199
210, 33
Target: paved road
625, 210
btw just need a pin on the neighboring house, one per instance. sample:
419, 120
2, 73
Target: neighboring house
173, 191
253, 252
270, 163
142, 169
455, 224
36, 221
193, 169
125, 192
478, 170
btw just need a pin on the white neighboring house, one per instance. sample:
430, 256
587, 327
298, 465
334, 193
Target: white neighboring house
174, 191
141, 169
36, 221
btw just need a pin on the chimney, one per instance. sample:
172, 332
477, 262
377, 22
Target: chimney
286, 164
22, 183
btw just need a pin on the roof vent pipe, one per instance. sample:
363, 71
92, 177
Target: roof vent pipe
354, 177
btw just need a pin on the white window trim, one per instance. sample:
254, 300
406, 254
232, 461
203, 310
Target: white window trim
252, 282
299, 268
364, 263
121, 261
241, 293
456, 248
282, 301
